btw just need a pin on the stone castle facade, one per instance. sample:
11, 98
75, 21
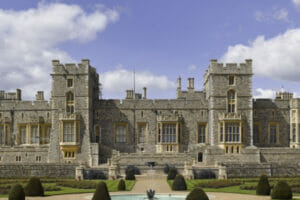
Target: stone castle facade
220, 126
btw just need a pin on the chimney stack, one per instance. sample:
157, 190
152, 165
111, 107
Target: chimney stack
179, 83
39, 96
190, 83
144, 93
129, 94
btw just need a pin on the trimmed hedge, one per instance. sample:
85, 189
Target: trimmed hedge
282, 191
179, 183
101, 192
197, 194
204, 174
172, 173
121, 185
16, 193
218, 183
263, 186
130, 174
134, 168
34, 187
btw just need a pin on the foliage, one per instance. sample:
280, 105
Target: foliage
263, 186
172, 173
34, 187
134, 168
130, 174
197, 194
121, 185
218, 183
101, 192
282, 191
94, 174
16, 193
204, 174
179, 183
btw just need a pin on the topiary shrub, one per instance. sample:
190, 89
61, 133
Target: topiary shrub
121, 185
282, 191
197, 194
134, 168
172, 173
263, 186
34, 187
101, 192
179, 183
16, 193
130, 174
166, 168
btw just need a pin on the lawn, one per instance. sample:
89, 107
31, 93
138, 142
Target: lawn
64, 186
237, 185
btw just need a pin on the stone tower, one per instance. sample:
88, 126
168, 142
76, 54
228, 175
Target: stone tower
228, 90
74, 89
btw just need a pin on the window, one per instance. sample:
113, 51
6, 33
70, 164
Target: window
22, 135
255, 113
273, 134
97, 134
2, 136
169, 133
232, 132
69, 132
231, 80
221, 133
121, 133
34, 135
70, 82
142, 133
201, 133
231, 101
70, 102
256, 133
38, 158
47, 134
200, 157
18, 158
69, 154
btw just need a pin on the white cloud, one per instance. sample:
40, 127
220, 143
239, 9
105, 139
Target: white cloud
264, 93
277, 57
30, 39
116, 82
192, 67
274, 15
296, 2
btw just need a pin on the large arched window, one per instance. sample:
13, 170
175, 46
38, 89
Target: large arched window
231, 100
70, 102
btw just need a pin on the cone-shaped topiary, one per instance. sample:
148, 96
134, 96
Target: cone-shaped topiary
282, 191
121, 185
130, 174
34, 187
172, 173
179, 183
16, 193
263, 186
197, 194
101, 192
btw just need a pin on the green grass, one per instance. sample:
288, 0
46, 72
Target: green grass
112, 186
233, 189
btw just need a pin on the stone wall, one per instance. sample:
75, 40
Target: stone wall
41, 170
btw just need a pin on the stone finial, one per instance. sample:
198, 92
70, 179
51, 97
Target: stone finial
179, 82
144, 93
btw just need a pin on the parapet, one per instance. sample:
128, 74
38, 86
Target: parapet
11, 95
230, 68
71, 68
295, 103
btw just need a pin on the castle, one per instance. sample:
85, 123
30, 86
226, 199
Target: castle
220, 128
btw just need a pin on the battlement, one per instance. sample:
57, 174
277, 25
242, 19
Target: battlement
71, 68
11, 95
230, 68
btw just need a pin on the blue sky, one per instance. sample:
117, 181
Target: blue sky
159, 39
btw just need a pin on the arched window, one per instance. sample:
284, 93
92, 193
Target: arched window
231, 101
70, 102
